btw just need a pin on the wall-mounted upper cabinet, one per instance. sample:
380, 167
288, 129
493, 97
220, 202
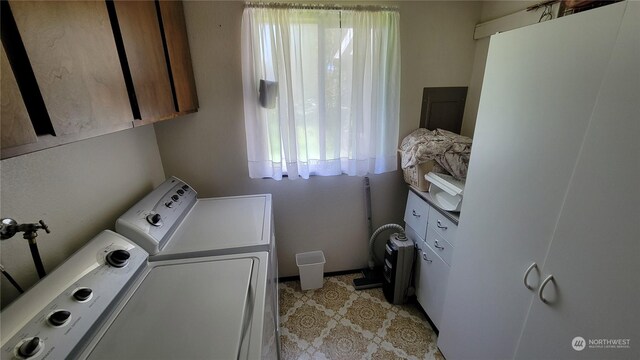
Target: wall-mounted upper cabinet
87, 68
139, 26
155, 49
72, 52
177, 45
16, 124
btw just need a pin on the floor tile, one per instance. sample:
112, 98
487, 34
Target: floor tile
367, 314
339, 322
306, 323
344, 343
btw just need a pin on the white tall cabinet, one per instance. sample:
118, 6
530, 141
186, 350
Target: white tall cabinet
554, 180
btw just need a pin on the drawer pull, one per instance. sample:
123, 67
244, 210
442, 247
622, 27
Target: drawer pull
526, 275
435, 243
424, 256
542, 286
415, 213
439, 225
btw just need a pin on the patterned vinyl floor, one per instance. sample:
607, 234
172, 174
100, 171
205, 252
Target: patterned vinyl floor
338, 322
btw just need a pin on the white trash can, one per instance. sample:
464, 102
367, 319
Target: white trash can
311, 267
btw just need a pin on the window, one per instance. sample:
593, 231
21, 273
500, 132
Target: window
321, 90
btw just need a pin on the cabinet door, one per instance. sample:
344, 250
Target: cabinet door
73, 54
177, 42
140, 29
16, 124
431, 283
540, 85
595, 251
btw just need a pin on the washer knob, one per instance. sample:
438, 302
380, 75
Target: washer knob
185, 187
59, 318
175, 198
180, 192
82, 294
169, 204
118, 258
154, 219
30, 348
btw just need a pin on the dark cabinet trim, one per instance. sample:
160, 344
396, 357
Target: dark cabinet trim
25, 77
128, 80
167, 58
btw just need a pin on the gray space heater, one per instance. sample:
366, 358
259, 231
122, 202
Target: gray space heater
398, 265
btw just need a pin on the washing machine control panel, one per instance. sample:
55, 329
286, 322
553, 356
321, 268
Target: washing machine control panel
53, 319
152, 221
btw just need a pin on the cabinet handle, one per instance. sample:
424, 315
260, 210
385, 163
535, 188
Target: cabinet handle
439, 225
435, 243
542, 286
424, 256
526, 275
415, 214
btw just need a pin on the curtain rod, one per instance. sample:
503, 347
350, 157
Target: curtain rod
308, 6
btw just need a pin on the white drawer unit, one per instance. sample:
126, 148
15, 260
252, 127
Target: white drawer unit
434, 236
416, 214
442, 225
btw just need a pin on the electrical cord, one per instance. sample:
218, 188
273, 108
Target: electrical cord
11, 279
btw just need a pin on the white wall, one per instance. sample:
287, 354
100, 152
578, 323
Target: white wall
78, 189
208, 149
490, 10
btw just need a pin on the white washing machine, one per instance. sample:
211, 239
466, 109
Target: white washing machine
171, 222
108, 302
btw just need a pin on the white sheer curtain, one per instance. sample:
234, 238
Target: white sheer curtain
338, 91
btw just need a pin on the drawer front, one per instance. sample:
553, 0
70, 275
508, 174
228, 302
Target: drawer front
431, 282
439, 245
444, 226
417, 214
413, 235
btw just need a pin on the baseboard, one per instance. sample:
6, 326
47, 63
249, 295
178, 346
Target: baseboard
332, 273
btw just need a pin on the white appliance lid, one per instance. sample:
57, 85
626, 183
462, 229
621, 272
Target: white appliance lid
183, 311
447, 183
219, 224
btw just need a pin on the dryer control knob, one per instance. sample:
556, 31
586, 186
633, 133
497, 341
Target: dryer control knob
30, 348
154, 219
82, 294
118, 258
59, 318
